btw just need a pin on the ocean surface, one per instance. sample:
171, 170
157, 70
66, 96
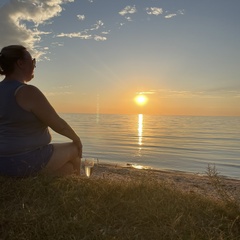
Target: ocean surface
182, 143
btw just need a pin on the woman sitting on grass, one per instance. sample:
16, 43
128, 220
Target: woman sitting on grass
25, 115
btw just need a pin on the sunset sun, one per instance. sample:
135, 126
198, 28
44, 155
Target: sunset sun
141, 99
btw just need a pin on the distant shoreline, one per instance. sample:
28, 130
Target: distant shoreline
148, 114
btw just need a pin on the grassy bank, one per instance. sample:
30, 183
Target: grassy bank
80, 208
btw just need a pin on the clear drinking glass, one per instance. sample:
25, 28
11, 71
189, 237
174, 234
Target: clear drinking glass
88, 166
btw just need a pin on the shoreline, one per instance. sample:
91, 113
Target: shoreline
184, 181
202, 172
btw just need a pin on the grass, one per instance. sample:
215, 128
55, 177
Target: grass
79, 208
220, 187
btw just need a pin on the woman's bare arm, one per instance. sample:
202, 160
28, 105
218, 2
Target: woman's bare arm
33, 100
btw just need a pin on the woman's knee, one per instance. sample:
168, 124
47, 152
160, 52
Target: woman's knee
62, 154
68, 150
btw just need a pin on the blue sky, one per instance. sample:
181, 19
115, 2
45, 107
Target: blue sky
97, 55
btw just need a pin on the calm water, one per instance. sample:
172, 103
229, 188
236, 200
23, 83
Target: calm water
182, 143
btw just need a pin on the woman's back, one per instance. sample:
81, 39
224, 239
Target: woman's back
20, 131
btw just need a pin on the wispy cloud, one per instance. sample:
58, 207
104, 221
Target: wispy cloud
59, 91
181, 12
96, 26
154, 11
159, 11
58, 44
75, 35
106, 32
171, 15
81, 17
16, 17
169, 93
87, 33
128, 10
99, 38
146, 92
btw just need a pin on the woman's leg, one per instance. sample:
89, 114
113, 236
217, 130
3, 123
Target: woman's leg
66, 169
64, 160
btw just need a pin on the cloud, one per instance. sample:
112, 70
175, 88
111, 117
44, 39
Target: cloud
60, 90
128, 10
75, 35
57, 44
86, 34
99, 38
80, 17
106, 32
20, 21
96, 26
181, 12
154, 11
147, 92
157, 11
128, 18
171, 15
82, 36
170, 93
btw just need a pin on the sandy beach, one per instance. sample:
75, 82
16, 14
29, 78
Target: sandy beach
188, 182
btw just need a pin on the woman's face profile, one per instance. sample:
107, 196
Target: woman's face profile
28, 65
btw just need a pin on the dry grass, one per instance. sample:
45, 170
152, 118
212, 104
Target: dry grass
97, 208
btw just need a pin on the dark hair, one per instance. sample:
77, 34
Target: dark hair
8, 57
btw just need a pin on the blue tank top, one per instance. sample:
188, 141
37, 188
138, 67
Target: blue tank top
20, 131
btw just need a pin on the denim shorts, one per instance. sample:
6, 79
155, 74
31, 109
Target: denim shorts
27, 164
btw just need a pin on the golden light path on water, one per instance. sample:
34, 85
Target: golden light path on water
140, 142
140, 129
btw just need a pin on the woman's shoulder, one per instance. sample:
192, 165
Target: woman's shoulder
28, 89
29, 96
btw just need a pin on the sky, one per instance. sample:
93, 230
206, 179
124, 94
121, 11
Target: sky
96, 56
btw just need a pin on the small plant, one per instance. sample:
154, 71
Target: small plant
218, 183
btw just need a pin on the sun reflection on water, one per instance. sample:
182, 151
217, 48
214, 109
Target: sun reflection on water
140, 129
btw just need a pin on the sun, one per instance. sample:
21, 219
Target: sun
141, 99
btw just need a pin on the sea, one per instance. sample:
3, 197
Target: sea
191, 144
